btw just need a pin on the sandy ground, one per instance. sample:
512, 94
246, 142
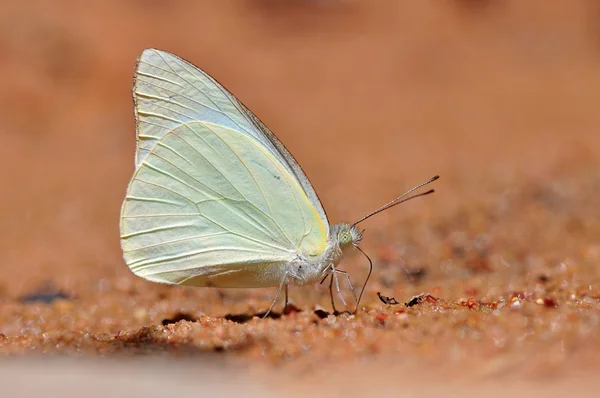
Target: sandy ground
498, 97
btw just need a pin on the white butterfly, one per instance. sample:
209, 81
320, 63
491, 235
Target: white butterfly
216, 199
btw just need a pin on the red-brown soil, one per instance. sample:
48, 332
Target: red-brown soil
498, 97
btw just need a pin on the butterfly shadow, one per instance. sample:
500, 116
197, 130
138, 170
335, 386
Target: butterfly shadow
237, 318
150, 340
243, 318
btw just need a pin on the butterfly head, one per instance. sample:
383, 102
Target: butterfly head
348, 234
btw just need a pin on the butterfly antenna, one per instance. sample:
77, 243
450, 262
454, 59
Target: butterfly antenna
401, 199
362, 290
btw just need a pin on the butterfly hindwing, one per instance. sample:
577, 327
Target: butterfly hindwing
208, 201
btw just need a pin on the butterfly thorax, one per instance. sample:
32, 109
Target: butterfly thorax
306, 269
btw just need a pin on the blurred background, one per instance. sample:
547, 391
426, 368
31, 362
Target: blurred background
371, 97
499, 97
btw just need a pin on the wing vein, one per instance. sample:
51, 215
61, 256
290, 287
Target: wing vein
248, 217
157, 77
166, 189
185, 66
227, 179
147, 263
176, 240
175, 93
245, 166
152, 200
245, 236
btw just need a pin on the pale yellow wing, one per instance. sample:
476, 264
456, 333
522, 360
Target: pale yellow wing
210, 205
169, 91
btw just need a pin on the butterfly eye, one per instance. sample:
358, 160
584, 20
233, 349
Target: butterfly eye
344, 237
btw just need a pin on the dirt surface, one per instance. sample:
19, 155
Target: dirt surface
498, 97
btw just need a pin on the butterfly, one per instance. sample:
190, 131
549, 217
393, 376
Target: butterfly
215, 199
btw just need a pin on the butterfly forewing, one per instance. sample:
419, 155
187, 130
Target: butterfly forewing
169, 91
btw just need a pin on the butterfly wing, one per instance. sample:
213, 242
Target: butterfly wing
212, 201
169, 91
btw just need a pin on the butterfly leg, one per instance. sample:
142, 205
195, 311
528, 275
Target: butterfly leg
334, 275
286, 299
331, 294
281, 285
327, 275
337, 271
